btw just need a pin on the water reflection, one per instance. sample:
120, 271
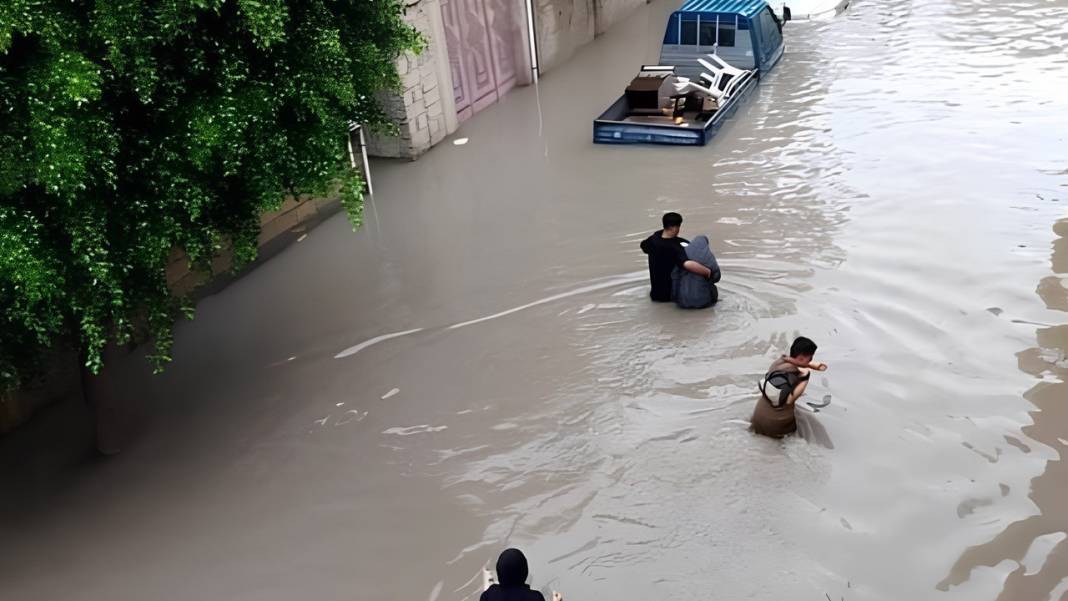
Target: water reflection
1037, 580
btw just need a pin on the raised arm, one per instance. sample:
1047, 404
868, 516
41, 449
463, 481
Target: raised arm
816, 365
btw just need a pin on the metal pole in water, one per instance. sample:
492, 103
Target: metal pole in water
532, 41
366, 165
352, 153
356, 130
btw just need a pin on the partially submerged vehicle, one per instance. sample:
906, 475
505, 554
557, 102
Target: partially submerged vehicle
714, 53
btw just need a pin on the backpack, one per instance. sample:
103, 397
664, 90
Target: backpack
783, 381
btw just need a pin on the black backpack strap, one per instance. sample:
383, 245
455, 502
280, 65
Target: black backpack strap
781, 381
763, 389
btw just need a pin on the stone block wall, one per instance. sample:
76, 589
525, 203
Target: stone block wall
424, 110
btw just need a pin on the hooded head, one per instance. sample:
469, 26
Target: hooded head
512, 568
700, 241
699, 250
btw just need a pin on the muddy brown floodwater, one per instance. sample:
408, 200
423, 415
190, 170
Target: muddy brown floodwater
373, 416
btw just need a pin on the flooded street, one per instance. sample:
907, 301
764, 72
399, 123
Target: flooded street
374, 416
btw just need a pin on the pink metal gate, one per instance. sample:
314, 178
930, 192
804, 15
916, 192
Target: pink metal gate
481, 36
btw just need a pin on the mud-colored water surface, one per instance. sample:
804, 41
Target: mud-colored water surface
375, 415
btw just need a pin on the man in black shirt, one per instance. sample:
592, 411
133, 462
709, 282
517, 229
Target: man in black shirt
666, 251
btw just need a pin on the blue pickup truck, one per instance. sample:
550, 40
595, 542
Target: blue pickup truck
714, 53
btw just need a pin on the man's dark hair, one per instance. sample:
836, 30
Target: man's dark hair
802, 346
671, 220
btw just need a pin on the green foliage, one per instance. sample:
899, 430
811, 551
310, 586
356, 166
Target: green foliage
132, 128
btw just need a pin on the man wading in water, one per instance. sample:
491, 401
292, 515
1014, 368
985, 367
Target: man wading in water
666, 251
784, 383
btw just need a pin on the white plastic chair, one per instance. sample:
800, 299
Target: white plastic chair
724, 75
688, 86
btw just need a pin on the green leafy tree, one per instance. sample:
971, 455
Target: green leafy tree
131, 128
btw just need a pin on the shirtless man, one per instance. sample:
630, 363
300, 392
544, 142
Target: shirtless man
785, 382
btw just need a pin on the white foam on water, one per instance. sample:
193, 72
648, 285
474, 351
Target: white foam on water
801, 10
1038, 553
437, 590
730, 221
623, 279
1059, 591
352, 350
410, 430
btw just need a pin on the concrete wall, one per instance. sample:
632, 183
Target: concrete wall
561, 28
425, 110
62, 379
564, 26
291, 220
611, 12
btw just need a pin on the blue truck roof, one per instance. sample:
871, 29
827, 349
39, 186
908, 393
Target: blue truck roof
746, 8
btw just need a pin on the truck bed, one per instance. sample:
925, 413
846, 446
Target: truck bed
617, 126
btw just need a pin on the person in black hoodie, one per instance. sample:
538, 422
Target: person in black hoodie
512, 580
667, 250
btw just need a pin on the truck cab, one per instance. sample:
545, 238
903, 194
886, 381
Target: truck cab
745, 33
